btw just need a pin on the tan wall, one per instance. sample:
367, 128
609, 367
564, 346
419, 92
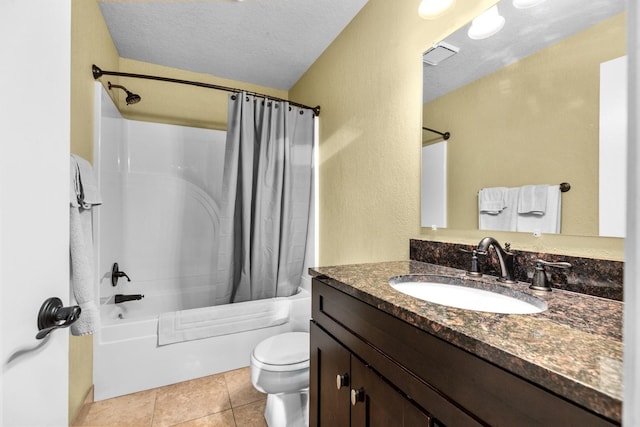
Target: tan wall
533, 122
178, 104
369, 84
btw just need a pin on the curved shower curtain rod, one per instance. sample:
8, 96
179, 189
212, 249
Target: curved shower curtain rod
97, 73
445, 135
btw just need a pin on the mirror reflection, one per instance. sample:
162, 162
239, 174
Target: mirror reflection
525, 107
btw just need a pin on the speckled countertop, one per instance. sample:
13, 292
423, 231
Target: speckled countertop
574, 348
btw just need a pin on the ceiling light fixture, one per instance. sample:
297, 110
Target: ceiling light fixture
526, 4
486, 24
432, 9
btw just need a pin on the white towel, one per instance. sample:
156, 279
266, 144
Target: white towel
492, 200
83, 195
533, 199
506, 219
549, 222
81, 260
84, 187
199, 323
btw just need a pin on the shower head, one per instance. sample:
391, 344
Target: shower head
132, 98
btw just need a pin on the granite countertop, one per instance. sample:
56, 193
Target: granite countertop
574, 348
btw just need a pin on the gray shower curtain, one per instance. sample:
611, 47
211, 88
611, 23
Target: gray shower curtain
266, 199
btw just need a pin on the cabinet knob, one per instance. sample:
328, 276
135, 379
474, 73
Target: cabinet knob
342, 380
357, 395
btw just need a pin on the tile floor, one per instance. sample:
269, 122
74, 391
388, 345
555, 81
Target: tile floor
222, 400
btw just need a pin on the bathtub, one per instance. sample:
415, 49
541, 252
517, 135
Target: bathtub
128, 359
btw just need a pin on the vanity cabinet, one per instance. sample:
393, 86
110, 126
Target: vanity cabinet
371, 368
348, 392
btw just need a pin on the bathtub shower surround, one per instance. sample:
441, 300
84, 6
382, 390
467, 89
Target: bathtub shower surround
162, 189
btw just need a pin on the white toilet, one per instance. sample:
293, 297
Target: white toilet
280, 368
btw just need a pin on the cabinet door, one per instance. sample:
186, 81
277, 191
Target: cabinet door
329, 381
376, 403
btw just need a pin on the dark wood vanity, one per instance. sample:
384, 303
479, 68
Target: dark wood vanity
373, 364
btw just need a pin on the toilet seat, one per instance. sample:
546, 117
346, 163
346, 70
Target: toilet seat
284, 352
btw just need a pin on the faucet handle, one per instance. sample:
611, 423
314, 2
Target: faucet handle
539, 280
559, 264
474, 270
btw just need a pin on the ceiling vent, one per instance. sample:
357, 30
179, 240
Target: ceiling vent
439, 53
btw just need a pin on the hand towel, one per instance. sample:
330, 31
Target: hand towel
533, 199
492, 200
506, 219
549, 222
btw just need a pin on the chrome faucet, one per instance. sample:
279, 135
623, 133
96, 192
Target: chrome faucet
505, 257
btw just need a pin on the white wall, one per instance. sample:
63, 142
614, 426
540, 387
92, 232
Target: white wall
434, 185
613, 148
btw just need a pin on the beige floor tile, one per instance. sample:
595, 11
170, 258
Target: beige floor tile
250, 415
130, 410
221, 419
241, 391
190, 400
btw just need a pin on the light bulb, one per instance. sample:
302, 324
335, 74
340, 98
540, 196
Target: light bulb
525, 4
487, 24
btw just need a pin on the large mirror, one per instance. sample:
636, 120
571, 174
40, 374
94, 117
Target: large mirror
523, 107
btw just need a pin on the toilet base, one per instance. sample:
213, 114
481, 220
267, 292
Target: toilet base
288, 409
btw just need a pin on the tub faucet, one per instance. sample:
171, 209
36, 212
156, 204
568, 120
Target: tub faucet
124, 298
504, 256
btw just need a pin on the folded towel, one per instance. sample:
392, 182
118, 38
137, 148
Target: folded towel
549, 222
492, 200
83, 185
506, 219
82, 273
533, 199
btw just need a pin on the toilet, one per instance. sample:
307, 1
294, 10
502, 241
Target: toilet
280, 368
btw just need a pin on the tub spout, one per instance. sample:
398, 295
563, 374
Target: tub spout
123, 298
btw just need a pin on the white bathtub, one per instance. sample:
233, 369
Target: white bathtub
127, 357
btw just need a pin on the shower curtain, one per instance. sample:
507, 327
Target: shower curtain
266, 199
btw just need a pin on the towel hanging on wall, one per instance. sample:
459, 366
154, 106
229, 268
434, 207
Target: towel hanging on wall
83, 196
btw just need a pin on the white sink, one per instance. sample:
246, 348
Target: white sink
469, 295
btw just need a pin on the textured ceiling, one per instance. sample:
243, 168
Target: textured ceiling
525, 32
265, 42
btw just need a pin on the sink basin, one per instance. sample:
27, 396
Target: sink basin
469, 295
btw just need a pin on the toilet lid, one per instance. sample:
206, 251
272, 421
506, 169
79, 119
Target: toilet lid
289, 350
